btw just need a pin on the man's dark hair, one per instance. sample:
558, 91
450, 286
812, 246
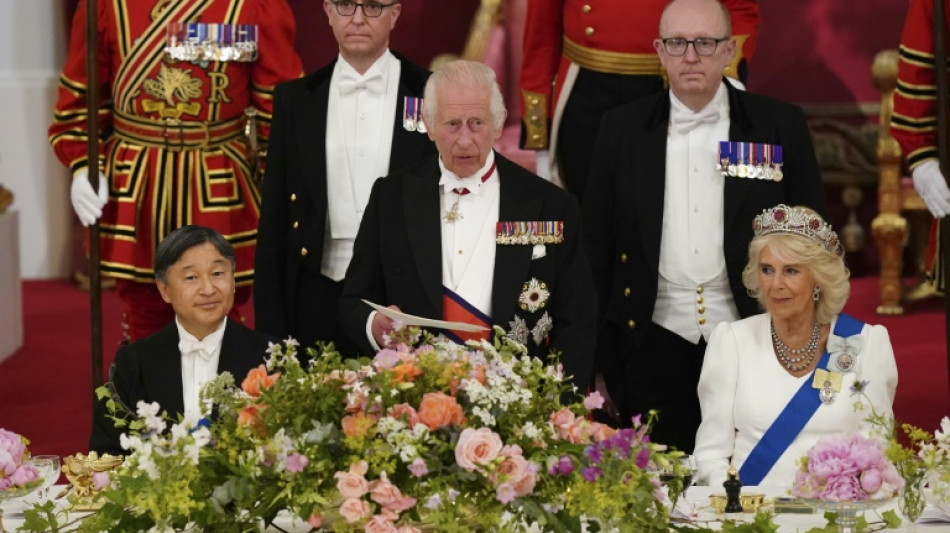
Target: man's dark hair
183, 239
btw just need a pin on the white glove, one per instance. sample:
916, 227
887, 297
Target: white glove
87, 203
932, 188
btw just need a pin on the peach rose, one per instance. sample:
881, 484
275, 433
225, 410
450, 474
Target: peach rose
356, 425
579, 431
561, 421
380, 524
601, 432
351, 484
383, 492
477, 448
258, 379
525, 485
512, 468
439, 410
356, 401
404, 409
354, 509
405, 372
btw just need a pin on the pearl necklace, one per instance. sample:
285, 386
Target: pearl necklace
798, 359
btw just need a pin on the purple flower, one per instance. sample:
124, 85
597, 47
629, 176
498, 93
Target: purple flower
296, 462
858, 387
594, 452
591, 473
418, 467
643, 458
565, 465
594, 401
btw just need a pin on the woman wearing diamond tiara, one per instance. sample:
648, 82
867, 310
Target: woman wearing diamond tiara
773, 383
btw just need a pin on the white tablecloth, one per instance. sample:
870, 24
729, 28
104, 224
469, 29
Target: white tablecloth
698, 496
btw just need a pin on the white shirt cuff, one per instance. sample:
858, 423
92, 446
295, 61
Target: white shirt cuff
369, 330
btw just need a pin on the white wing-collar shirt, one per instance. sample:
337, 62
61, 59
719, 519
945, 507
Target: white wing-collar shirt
199, 365
693, 294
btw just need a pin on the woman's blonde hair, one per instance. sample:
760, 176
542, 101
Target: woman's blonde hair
825, 266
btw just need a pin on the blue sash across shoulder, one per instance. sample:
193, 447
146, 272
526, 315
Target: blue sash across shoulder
793, 418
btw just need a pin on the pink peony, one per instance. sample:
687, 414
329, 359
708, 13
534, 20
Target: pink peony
844, 488
806, 485
477, 448
12, 451
871, 480
297, 462
24, 474
354, 509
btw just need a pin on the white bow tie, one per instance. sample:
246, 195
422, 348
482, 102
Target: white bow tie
349, 83
196, 348
685, 123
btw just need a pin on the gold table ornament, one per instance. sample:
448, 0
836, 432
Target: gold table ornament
750, 502
79, 470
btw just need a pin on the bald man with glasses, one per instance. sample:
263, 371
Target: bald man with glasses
676, 181
334, 133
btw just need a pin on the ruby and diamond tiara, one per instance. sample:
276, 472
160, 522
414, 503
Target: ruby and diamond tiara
797, 221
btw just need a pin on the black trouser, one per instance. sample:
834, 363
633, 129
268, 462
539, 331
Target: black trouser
662, 374
593, 94
316, 316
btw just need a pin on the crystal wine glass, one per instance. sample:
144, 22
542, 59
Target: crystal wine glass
48, 468
688, 467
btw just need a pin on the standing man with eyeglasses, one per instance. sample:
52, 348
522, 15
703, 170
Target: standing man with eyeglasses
583, 58
334, 133
675, 184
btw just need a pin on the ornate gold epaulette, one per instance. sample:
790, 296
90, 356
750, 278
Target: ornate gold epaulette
531, 232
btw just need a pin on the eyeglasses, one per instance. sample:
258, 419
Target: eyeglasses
704, 46
371, 10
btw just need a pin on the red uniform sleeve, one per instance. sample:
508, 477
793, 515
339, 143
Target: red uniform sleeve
277, 60
68, 132
541, 45
745, 26
914, 122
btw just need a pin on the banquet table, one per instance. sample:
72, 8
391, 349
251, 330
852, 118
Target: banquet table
696, 496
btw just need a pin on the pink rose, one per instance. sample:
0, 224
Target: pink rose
351, 485
380, 524
512, 468
354, 509
382, 491
315, 521
525, 485
476, 448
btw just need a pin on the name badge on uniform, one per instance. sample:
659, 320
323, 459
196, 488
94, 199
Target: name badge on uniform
203, 42
750, 160
531, 232
412, 114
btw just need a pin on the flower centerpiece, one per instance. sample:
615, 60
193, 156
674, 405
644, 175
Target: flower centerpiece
846, 468
17, 474
431, 436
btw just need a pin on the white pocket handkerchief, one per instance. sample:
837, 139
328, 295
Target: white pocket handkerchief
538, 251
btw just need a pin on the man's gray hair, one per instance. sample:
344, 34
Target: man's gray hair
185, 238
469, 74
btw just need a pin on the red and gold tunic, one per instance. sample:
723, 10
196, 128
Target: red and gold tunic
173, 131
914, 121
613, 36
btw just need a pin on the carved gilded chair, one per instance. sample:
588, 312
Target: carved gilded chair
898, 202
